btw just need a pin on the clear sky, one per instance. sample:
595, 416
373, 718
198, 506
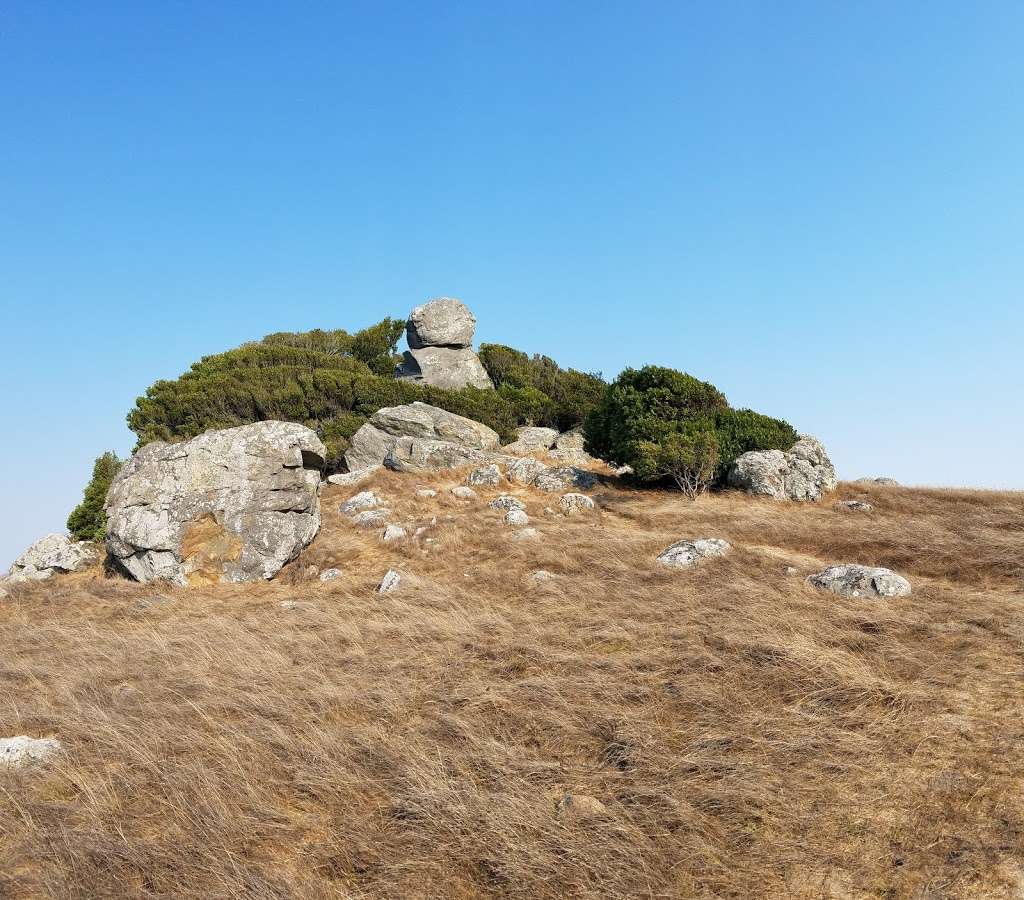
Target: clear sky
818, 206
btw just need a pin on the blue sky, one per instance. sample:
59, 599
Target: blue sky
816, 206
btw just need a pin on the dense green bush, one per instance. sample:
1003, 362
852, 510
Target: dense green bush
333, 382
669, 425
88, 521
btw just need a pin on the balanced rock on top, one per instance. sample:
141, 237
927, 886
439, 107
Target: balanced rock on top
440, 337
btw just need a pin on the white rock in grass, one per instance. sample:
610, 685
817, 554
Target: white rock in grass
685, 554
541, 576
463, 493
370, 518
522, 534
574, 503
579, 808
393, 533
346, 479
426, 493
362, 500
516, 517
850, 580
330, 574
526, 470
16, 752
507, 502
854, 506
294, 605
390, 582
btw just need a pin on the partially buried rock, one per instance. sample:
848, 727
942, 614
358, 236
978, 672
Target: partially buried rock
506, 502
231, 505
463, 493
393, 533
349, 478
854, 506
390, 582
485, 475
851, 580
540, 576
885, 482
330, 574
579, 808
370, 518
563, 478
362, 500
576, 503
526, 470
20, 751
426, 493
804, 473
523, 534
685, 554
53, 555
516, 517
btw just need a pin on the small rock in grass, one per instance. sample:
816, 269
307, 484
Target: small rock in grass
851, 580
426, 493
790, 570
684, 554
507, 502
541, 576
330, 574
574, 503
390, 582
485, 475
516, 517
580, 808
293, 605
20, 751
890, 482
393, 533
370, 518
463, 493
522, 534
350, 478
362, 500
854, 506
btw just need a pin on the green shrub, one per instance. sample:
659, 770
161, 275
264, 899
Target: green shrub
333, 381
669, 425
88, 521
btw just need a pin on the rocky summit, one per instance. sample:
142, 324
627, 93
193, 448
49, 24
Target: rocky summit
440, 354
230, 505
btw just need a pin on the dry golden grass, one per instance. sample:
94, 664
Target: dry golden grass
749, 736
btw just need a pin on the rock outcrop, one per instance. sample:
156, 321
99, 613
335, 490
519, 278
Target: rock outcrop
418, 437
53, 555
804, 473
440, 337
860, 581
531, 439
230, 505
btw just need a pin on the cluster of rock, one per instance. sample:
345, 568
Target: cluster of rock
803, 473
229, 505
440, 338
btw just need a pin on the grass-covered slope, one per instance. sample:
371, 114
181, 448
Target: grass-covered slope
748, 735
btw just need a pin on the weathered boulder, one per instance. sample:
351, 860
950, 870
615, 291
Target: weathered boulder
229, 505
390, 583
570, 440
430, 438
886, 482
53, 554
804, 473
356, 476
525, 470
575, 503
461, 492
531, 439
563, 478
485, 476
685, 554
393, 533
507, 502
444, 367
362, 500
440, 336
516, 517
854, 506
850, 580
16, 752
444, 322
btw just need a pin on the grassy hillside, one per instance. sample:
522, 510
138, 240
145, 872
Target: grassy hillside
748, 735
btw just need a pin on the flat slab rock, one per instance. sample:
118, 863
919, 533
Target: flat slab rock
686, 554
230, 505
20, 751
851, 580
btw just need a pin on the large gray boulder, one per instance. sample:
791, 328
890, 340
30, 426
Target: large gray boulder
804, 473
440, 336
418, 437
444, 322
851, 580
54, 554
230, 505
450, 368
